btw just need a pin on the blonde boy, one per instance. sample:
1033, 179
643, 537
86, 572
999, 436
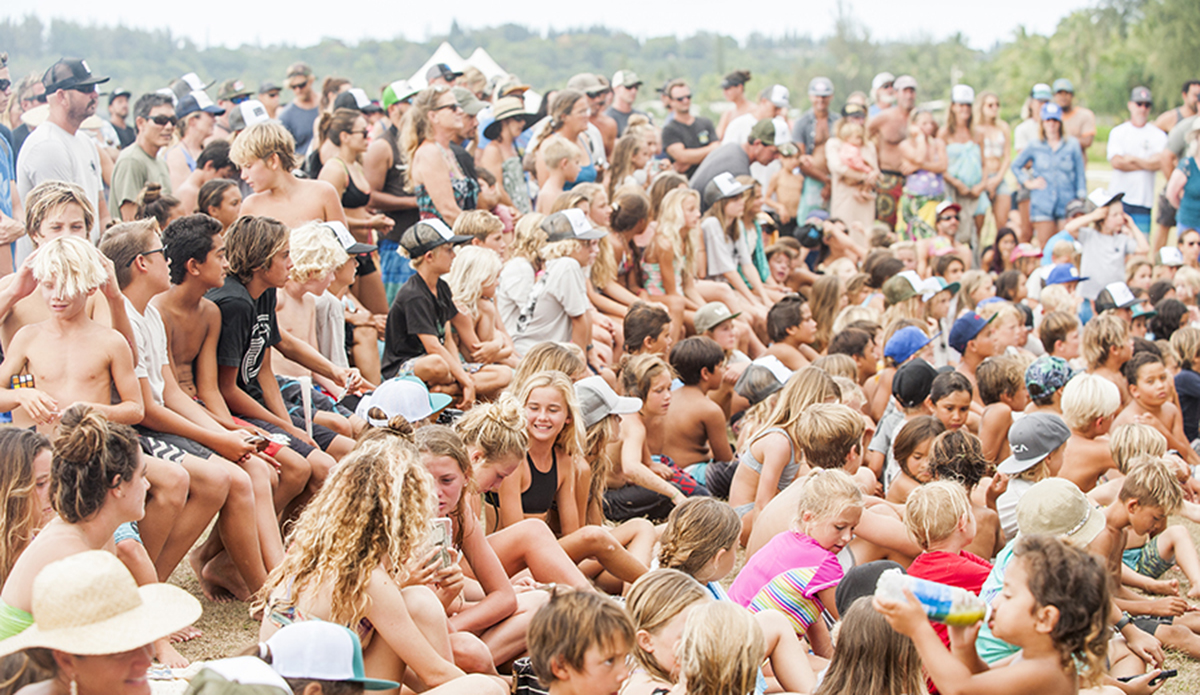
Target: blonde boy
316, 253
1107, 346
1089, 404
578, 644
562, 159
1001, 382
785, 187
69, 270
485, 229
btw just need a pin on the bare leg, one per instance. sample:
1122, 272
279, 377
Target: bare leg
506, 640
1001, 206
1123, 662
491, 379
369, 290
239, 530
1026, 225
531, 544
1043, 231
207, 492
638, 537
1175, 544
167, 497
1179, 637
471, 654
365, 353
135, 559
597, 542
294, 474
788, 658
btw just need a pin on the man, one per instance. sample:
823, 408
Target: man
118, 111
761, 146
139, 164
30, 92
1135, 150
811, 131
772, 101
10, 229
891, 127
268, 96
385, 170
625, 86
300, 116
57, 151
441, 74
686, 139
1077, 121
883, 91
231, 93
1166, 122
597, 94
5, 93
460, 140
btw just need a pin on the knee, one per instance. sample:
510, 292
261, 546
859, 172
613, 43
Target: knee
470, 653
478, 684
240, 484
424, 607
535, 530
321, 464
366, 335
170, 485
597, 538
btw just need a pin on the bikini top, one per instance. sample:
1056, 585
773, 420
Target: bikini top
543, 487
789, 471
353, 197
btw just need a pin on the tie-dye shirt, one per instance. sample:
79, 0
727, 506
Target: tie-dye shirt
785, 575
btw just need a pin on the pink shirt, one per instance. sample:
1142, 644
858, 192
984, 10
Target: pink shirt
790, 550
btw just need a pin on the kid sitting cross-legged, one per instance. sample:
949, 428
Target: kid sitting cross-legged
1089, 403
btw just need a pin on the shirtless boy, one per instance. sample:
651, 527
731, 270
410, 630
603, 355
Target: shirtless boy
1107, 346
1151, 403
1089, 404
213, 163
266, 154
791, 327
889, 128
695, 434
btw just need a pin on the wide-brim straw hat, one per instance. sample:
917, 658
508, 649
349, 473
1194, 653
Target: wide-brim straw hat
89, 604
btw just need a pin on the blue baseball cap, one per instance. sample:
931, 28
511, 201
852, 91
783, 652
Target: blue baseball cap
905, 343
966, 327
1051, 112
1063, 273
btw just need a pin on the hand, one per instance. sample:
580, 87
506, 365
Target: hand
963, 637
1035, 184
468, 395
422, 568
976, 190
271, 461
998, 487
906, 617
380, 323
111, 288
382, 223
300, 434
448, 584
1141, 684
661, 470
1146, 647
10, 229
232, 447
1174, 606
24, 283
39, 405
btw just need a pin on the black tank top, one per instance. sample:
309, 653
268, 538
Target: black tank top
394, 183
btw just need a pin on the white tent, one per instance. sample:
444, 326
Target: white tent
482, 60
479, 59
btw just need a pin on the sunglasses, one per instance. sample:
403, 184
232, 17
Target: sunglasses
160, 249
944, 218
363, 133
4, 85
452, 107
1144, 104
84, 89
886, 85
685, 97
240, 99
162, 120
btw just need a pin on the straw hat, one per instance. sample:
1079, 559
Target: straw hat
89, 604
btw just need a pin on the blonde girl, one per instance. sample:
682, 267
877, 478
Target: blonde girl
725, 254
828, 298
25, 485
347, 560
659, 604
870, 658
519, 272
630, 155
474, 278
550, 356
670, 256
700, 539
797, 571
1139, 273
977, 285
769, 463
720, 651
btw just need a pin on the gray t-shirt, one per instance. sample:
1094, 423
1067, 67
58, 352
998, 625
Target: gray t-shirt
723, 255
133, 170
1103, 260
300, 123
1177, 140
512, 293
52, 154
558, 297
330, 326
622, 118
805, 129
731, 157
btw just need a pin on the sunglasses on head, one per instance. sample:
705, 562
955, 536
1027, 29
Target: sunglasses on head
163, 120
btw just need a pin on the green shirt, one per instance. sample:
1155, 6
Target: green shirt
133, 170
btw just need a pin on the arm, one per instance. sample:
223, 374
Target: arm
188, 418
130, 410
204, 369
433, 347
309, 357
241, 403
128, 211
500, 601
935, 160
569, 516
619, 293
776, 452
1174, 192
1018, 165
993, 430
718, 434
511, 509
388, 612
21, 285
633, 444
682, 155
376, 163
114, 304
1080, 173
435, 176
39, 405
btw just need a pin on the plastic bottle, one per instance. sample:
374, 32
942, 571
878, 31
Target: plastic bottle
945, 604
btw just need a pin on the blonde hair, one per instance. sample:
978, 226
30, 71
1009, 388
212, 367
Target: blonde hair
837, 266
479, 224
560, 249
1100, 336
721, 650
497, 429
1152, 484
639, 371
827, 433
805, 388
1133, 265
528, 238
1186, 343
558, 357
851, 314
372, 513
415, 127
18, 497
826, 293
1088, 397
48, 196
624, 151
74, 265
971, 281
670, 225
262, 140
1057, 298
473, 268
653, 601
315, 251
558, 149
826, 492
871, 657
933, 510
837, 365
695, 532
853, 395
123, 243
1131, 441
570, 439
1187, 275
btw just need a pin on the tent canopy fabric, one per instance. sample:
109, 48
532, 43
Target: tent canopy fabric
479, 59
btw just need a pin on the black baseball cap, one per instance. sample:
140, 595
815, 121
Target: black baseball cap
427, 235
912, 383
119, 92
69, 73
443, 71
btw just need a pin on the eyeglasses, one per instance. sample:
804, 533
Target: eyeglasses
452, 107
363, 133
886, 85
160, 249
297, 85
944, 218
685, 97
162, 120
4, 85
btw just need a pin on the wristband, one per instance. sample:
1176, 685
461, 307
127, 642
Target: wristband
1125, 620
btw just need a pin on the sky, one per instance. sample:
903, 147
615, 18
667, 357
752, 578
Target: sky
234, 22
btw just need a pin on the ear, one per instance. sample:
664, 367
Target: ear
312, 688
559, 669
643, 639
1045, 619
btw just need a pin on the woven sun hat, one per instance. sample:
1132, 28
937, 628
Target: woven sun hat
89, 604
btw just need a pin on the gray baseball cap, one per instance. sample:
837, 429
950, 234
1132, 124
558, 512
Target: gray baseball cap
597, 400
1033, 438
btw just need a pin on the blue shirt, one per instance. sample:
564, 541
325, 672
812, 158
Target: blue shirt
1062, 168
1188, 216
1048, 249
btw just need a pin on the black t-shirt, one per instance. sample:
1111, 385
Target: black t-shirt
248, 328
415, 312
699, 134
125, 134
1187, 385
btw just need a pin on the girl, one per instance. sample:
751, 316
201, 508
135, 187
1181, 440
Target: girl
870, 658
566, 358
1053, 607
995, 137
769, 463
700, 539
720, 651
1139, 274
1006, 241
348, 556
1010, 286
1057, 177
474, 277
725, 251
908, 461
755, 235
828, 298
958, 456
630, 155
25, 485
670, 256
519, 272
220, 199
964, 162
797, 571
659, 604
977, 285
152, 203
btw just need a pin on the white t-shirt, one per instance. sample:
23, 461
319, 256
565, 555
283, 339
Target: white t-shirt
330, 327
723, 255
1130, 141
512, 291
52, 154
151, 337
558, 297
1006, 505
738, 130
1025, 133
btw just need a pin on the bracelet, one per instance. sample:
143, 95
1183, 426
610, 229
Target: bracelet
1125, 620
590, 347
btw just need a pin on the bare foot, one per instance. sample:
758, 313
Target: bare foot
1194, 592
187, 634
168, 656
1164, 587
226, 582
196, 560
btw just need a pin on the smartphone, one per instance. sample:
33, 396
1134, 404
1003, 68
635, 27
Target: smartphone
440, 538
1165, 674
259, 442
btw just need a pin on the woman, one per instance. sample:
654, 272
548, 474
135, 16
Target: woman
733, 87
502, 157
196, 125
1058, 175
923, 161
1183, 190
852, 196
442, 189
24, 492
347, 129
1189, 247
220, 199
99, 626
1006, 242
995, 137
569, 114
964, 163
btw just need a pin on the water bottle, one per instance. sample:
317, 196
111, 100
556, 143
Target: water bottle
944, 604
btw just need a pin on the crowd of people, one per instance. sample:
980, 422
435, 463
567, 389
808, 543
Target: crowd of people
440, 376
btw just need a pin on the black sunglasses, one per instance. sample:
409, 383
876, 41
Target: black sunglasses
453, 107
84, 88
943, 218
164, 120
4, 85
685, 97
239, 99
160, 249
1144, 104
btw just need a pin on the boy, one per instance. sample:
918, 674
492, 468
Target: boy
1044, 381
647, 329
1002, 389
562, 160
1107, 346
1152, 403
790, 325
695, 435
860, 346
176, 428
68, 270
781, 259
1148, 496
715, 322
417, 324
1059, 334
938, 516
785, 187
266, 154
484, 228
1039, 441
1089, 404
578, 644
971, 336
831, 436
